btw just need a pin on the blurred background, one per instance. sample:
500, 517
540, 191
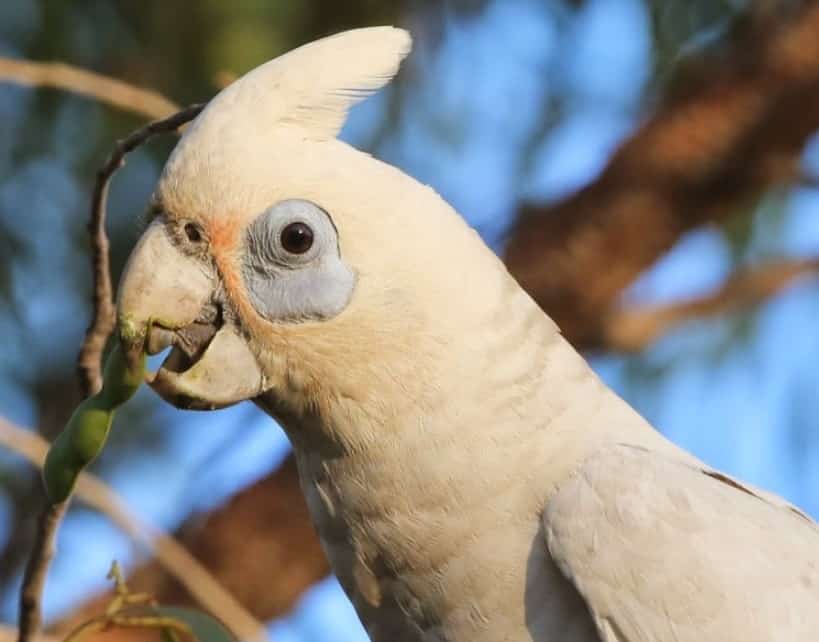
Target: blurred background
647, 167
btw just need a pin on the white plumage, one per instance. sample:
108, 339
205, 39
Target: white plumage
470, 477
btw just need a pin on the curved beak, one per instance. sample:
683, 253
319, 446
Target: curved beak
169, 298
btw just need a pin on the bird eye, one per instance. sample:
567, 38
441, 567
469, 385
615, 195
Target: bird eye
193, 232
297, 238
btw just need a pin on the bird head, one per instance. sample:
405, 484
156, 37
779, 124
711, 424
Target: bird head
281, 263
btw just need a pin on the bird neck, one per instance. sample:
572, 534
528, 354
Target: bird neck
472, 449
504, 384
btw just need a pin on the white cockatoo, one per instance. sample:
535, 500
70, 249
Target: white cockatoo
470, 477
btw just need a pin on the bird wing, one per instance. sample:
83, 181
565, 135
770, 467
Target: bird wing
669, 551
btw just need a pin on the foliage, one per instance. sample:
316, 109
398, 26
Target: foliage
128, 610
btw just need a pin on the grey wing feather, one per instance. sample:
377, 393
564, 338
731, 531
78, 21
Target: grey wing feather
664, 551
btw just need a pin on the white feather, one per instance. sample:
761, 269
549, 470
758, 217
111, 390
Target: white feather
312, 87
249, 137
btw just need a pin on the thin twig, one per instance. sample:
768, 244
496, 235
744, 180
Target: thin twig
634, 329
174, 557
103, 321
107, 90
89, 362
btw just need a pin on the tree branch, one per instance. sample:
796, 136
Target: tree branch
635, 329
170, 554
57, 75
733, 129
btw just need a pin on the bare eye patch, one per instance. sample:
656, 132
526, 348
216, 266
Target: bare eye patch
292, 266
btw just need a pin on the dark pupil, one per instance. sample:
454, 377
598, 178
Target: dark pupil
297, 238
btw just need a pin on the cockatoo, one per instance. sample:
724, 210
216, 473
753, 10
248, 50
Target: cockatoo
469, 476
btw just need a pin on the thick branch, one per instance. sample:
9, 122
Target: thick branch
728, 135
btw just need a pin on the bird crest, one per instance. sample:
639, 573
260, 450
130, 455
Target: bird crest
310, 88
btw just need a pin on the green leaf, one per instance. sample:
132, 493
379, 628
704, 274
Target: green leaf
205, 627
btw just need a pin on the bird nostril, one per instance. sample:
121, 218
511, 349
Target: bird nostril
193, 232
